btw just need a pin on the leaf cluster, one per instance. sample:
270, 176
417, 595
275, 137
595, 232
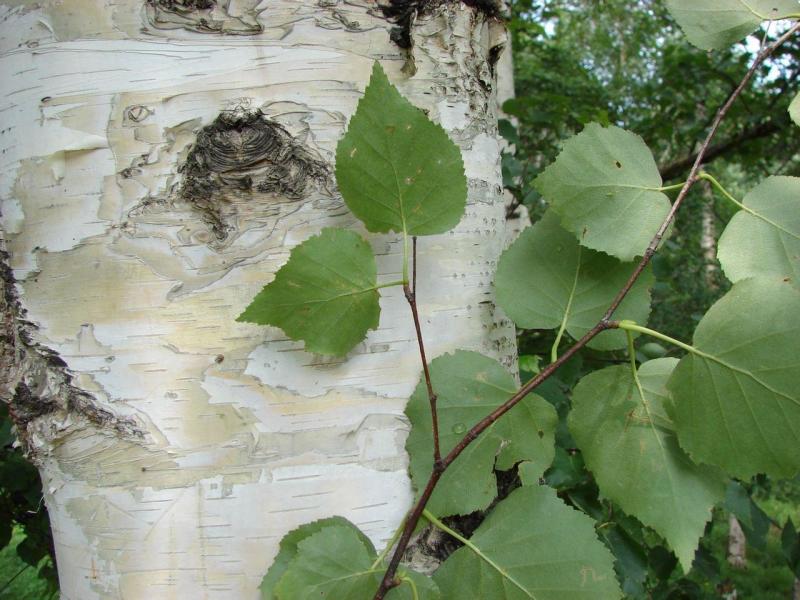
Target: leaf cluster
640, 452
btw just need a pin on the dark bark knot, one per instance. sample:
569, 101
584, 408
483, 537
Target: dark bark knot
203, 16
403, 13
240, 156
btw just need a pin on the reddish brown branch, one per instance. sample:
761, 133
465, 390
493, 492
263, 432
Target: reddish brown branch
410, 292
389, 581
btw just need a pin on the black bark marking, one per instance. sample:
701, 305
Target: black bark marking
34, 380
201, 16
242, 153
403, 13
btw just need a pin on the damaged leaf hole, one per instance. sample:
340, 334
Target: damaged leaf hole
239, 159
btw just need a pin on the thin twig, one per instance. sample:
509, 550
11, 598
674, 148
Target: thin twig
411, 296
389, 581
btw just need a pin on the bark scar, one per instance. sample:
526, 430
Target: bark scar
242, 152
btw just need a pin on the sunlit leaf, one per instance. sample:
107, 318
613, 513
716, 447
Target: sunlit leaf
737, 404
396, 169
605, 186
794, 110
629, 443
546, 277
324, 295
713, 24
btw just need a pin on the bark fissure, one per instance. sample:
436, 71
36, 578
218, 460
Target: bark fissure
202, 16
35, 382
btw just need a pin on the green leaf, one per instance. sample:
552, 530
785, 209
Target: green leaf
737, 403
546, 277
794, 110
711, 24
605, 186
764, 237
396, 169
326, 294
754, 522
629, 443
539, 549
335, 563
631, 560
469, 386
288, 550
567, 471
790, 543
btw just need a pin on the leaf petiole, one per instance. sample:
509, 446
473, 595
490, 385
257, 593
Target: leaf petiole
399, 282
670, 188
410, 582
390, 543
713, 181
631, 326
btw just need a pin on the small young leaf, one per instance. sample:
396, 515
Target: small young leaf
396, 169
325, 294
764, 238
754, 522
545, 276
790, 542
737, 403
335, 563
711, 24
534, 547
631, 560
469, 386
628, 442
605, 186
794, 110
288, 550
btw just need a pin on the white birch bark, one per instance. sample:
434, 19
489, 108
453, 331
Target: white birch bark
177, 446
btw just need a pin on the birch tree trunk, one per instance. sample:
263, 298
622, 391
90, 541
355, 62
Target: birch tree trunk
158, 160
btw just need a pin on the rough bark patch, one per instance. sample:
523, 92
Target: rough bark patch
34, 380
403, 13
203, 16
240, 153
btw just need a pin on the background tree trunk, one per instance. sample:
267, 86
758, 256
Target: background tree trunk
737, 544
158, 161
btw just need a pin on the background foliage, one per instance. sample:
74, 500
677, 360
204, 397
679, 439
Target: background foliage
627, 63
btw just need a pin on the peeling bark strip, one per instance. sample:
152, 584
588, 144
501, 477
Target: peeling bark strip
202, 16
35, 382
243, 151
404, 12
